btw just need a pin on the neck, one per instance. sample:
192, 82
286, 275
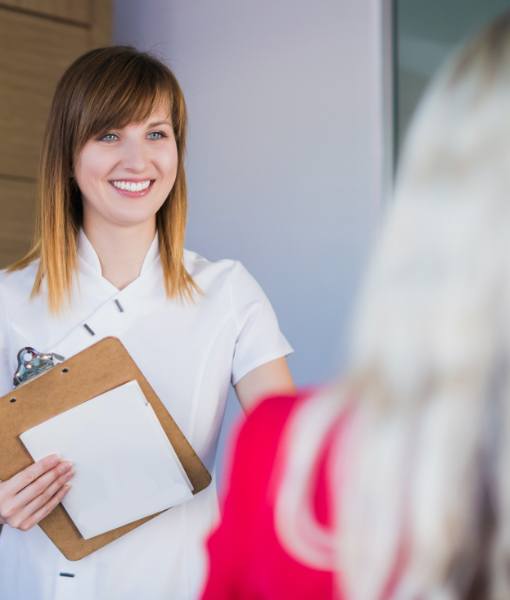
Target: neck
121, 250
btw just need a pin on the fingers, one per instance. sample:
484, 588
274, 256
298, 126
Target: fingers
31, 473
44, 487
45, 510
39, 496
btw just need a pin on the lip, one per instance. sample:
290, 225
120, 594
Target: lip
128, 193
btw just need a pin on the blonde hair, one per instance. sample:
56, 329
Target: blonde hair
103, 89
421, 499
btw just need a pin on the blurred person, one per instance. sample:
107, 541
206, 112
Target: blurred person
395, 483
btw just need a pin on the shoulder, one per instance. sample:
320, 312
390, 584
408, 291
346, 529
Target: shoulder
196, 264
325, 410
268, 420
15, 291
276, 409
16, 286
199, 266
218, 274
25, 317
274, 412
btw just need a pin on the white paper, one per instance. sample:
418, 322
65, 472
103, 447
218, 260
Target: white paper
125, 467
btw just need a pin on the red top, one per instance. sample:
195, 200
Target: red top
247, 560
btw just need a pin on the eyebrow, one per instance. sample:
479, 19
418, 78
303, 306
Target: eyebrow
157, 123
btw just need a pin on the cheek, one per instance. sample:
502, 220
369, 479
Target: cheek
89, 170
169, 162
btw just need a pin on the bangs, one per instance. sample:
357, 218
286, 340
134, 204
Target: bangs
119, 94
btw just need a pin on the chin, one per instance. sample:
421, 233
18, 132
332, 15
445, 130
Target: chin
135, 216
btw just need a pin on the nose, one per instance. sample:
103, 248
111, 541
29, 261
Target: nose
134, 156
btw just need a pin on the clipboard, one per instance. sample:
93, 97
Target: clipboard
97, 369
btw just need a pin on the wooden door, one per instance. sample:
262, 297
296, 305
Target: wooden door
38, 40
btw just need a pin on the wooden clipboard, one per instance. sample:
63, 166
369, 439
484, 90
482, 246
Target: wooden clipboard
101, 367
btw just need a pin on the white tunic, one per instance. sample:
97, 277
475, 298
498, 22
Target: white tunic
190, 353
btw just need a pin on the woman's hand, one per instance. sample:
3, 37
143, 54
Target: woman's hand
33, 493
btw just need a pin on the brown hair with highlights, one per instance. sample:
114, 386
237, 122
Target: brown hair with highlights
106, 88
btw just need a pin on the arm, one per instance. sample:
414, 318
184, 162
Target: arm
272, 378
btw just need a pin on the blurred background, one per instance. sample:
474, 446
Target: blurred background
297, 112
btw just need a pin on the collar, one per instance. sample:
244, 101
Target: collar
88, 257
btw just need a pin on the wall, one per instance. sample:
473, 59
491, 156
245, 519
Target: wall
285, 148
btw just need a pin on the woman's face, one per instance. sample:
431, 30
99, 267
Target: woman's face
126, 174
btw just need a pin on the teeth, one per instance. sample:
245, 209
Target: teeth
131, 186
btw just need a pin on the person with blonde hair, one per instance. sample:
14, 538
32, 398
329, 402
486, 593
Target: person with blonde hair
395, 483
108, 259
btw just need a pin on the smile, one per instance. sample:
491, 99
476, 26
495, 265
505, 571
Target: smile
132, 188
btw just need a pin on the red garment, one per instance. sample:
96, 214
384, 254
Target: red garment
247, 560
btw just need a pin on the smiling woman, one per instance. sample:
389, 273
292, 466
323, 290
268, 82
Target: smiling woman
133, 162
101, 93
109, 260
125, 176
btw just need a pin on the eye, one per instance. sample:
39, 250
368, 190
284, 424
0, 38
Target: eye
156, 135
109, 137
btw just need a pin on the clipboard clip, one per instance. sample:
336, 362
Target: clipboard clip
32, 363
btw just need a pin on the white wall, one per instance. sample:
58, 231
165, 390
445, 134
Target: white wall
285, 147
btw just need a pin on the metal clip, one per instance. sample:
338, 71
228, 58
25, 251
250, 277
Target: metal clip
32, 363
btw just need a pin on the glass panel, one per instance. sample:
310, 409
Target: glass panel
426, 32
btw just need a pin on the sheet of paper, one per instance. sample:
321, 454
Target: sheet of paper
125, 467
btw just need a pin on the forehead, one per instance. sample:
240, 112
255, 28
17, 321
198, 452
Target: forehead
160, 115
160, 112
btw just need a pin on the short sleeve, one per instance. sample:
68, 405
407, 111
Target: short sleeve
259, 339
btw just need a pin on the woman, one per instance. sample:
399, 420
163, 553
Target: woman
109, 260
395, 484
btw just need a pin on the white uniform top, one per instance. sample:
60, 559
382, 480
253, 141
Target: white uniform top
190, 353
